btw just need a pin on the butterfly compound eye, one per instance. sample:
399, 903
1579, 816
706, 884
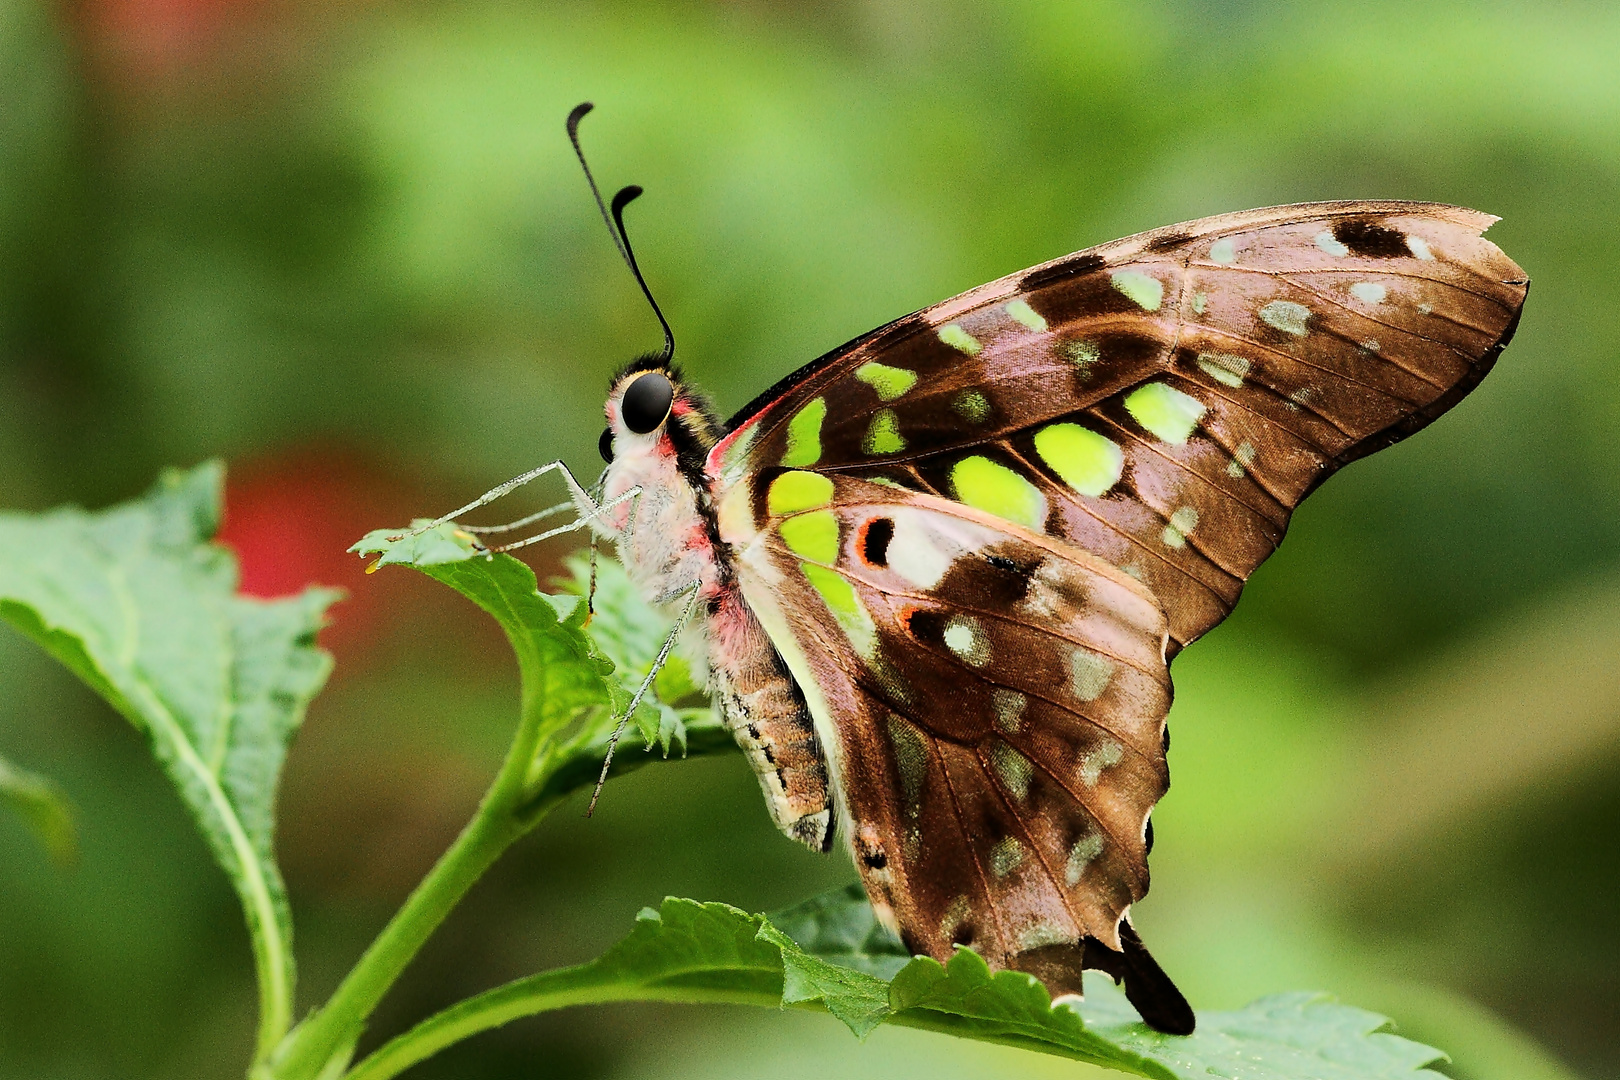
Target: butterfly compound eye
604, 445
646, 402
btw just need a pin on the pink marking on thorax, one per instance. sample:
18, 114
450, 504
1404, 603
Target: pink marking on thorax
718, 454
733, 630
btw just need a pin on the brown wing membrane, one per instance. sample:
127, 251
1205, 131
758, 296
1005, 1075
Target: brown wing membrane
1165, 401
997, 701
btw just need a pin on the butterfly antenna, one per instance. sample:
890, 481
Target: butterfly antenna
625, 197
615, 222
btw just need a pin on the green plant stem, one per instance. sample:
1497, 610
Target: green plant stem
504, 815
585, 984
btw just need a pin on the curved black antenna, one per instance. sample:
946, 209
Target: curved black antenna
624, 197
615, 222
573, 136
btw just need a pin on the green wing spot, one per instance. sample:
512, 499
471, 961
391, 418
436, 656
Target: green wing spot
1287, 316
889, 382
845, 605
737, 453
911, 761
1182, 523
971, 405
1368, 292
1027, 316
883, 437
1087, 462
812, 536
804, 434
1082, 354
1223, 252
1225, 368
1147, 292
1089, 674
1006, 856
996, 489
1085, 849
960, 340
795, 491
1165, 411
1013, 768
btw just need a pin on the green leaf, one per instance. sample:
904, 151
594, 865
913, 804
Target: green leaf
1281, 1037
138, 603
841, 926
684, 951
631, 632
693, 952
577, 673
1286, 1037
685, 944
42, 805
564, 674
965, 997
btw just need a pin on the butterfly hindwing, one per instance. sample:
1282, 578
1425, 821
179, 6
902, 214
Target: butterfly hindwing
999, 702
1165, 401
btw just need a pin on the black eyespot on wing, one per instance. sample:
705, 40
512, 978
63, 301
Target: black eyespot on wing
604, 445
1370, 240
1167, 739
963, 935
875, 541
926, 626
876, 860
1150, 836
646, 402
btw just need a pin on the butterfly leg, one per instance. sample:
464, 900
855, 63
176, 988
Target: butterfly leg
583, 521
550, 511
646, 684
579, 497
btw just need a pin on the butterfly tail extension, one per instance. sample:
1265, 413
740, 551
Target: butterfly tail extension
1149, 990
1147, 987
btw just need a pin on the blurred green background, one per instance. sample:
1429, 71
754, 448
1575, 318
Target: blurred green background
347, 248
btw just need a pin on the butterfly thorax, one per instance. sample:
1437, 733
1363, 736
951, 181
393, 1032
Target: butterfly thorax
668, 540
662, 534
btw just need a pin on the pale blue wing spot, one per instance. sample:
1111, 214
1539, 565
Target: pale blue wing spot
1287, 316
1327, 243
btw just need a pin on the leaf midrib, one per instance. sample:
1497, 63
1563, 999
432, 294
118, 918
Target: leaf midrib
278, 1004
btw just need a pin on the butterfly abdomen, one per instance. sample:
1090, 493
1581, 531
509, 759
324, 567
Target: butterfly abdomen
767, 715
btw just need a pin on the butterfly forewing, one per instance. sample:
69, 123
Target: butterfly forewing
1164, 401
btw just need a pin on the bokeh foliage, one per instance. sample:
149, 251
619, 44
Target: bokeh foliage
355, 240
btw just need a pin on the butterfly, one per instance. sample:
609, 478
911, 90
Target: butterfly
939, 573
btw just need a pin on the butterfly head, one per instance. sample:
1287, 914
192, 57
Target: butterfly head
652, 412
